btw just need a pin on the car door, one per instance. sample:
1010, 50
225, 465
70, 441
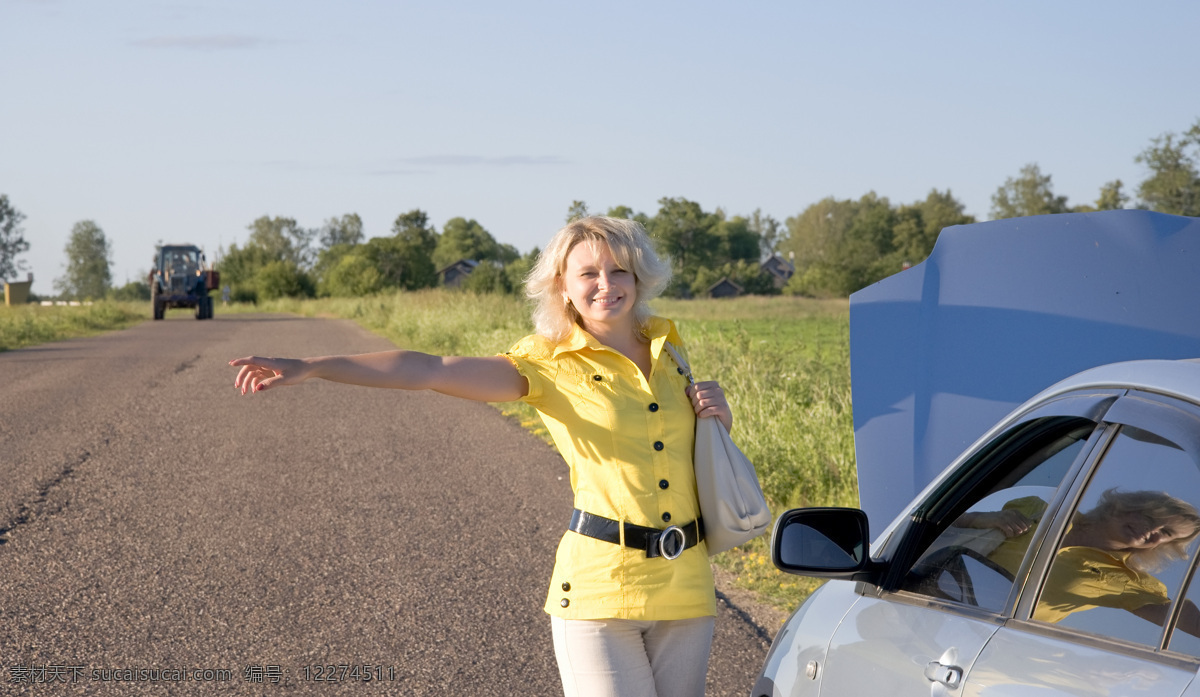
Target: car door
919, 632
1112, 618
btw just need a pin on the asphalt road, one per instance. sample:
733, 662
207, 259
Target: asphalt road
153, 520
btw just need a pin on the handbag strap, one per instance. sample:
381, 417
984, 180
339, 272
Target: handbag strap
687, 370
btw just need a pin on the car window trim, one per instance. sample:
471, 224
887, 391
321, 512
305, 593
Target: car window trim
1105, 643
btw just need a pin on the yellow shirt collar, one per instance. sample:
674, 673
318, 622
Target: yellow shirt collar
658, 329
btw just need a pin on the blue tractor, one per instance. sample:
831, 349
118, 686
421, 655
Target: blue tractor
179, 279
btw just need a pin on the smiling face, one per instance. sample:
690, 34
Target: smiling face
1134, 530
601, 290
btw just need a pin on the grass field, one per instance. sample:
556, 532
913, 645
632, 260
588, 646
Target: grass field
784, 363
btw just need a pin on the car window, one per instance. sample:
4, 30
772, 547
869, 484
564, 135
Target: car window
1125, 552
983, 538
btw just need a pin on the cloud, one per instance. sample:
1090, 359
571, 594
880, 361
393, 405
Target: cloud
202, 43
480, 161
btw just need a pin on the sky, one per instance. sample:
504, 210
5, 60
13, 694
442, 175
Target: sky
183, 122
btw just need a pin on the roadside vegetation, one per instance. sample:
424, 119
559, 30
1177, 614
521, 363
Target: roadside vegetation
32, 324
784, 361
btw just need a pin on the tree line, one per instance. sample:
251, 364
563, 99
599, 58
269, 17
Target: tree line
836, 246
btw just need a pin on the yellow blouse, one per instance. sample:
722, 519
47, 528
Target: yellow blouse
1083, 578
628, 442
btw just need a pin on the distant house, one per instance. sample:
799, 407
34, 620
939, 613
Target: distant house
17, 292
453, 275
724, 288
780, 269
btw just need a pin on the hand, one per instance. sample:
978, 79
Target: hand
708, 399
1009, 522
258, 374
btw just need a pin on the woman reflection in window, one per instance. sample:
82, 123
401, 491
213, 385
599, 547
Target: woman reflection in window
1107, 555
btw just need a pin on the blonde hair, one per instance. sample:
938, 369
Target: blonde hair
553, 316
1160, 507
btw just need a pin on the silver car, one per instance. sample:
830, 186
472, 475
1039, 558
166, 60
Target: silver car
1057, 553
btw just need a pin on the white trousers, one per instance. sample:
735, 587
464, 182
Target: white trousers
633, 658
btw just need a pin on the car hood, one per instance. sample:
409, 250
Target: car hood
999, 311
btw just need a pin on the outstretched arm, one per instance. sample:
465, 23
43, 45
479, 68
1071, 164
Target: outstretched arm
491, 379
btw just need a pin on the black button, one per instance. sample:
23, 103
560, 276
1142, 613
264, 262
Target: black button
658, 445
653, 406
666, 517
566, 586
597, 377
663, 484
680, 370
564, 602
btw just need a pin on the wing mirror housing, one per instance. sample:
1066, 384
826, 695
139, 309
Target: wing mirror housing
825, 543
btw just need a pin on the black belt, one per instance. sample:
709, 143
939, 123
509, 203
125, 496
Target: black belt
668, 543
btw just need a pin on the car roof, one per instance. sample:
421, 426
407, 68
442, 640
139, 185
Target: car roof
999, 311
1178, 378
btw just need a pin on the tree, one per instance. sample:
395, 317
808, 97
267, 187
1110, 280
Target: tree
768, 230
88, 275
1111, 197
345, 230
1174, 182
684, 232
240, 267
282, 279
352, 276
519, 269
282, 239
736, 240
488, 277
401, 262
1029, 194
467, 239
577, 210
133, 291
918, 226
414, 228
12, 240
627, 213
839, 247
814, 237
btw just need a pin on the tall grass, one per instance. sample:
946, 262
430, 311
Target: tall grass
783, 362
29, 325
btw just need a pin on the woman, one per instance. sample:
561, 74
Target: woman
1107, 555
631, 599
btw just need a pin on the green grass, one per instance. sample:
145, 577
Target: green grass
784, 364
29, 325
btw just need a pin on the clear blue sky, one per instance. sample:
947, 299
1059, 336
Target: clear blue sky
185, 121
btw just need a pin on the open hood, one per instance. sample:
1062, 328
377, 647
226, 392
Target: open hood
999, 311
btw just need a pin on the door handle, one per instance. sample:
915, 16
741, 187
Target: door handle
950, 676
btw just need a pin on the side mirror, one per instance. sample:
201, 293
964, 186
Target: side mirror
824, 542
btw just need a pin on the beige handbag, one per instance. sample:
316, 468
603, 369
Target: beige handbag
731, 500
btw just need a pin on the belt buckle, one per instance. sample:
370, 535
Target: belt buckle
677, 549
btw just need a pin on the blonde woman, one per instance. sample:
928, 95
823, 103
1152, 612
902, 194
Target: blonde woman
631, 599
1107, 556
